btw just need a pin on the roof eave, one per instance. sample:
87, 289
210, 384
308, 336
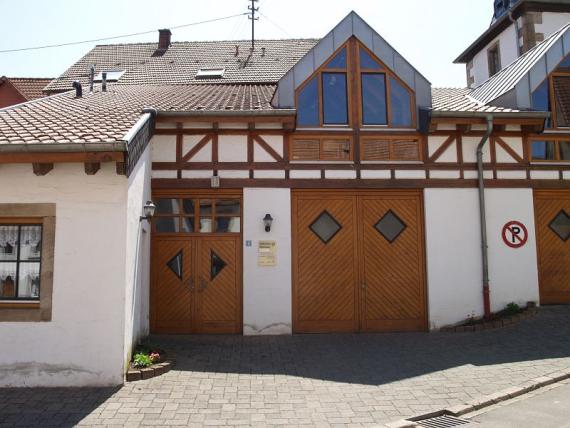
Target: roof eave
228, 113
498, 114
54, 147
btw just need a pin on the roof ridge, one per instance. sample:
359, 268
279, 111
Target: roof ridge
216, 41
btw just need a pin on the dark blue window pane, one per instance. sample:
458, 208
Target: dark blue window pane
339, 61
543, 150
565, 63
401, 103
308, 108
374, 99
367, 62
335, 108
540, 100
540, 97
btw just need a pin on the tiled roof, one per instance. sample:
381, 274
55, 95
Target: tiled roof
107, 116
180, 63
506, 79
458, 100
29, 87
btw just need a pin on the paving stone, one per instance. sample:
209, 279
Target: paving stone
316, 380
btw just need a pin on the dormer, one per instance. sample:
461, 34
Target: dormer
353, 78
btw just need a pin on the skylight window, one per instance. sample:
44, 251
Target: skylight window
211, 73
112, 75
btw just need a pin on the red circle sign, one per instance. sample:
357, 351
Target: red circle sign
515, 234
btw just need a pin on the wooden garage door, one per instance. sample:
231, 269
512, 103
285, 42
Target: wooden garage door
358, 262
552, 210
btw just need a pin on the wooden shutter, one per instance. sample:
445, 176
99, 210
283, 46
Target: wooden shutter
305, 150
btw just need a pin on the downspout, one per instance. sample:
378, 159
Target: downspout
483, 217
517, 32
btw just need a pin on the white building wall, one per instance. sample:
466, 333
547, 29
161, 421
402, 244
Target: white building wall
83, 344
551, 22
267, 290
137, 256
509, 52
454, 253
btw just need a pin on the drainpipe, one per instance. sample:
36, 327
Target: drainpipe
517, 32
483, 217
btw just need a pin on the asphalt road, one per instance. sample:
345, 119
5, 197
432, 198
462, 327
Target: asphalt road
549, 408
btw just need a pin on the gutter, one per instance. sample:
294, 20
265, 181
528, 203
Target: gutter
483, 217
228, 113
53, 147
497, 115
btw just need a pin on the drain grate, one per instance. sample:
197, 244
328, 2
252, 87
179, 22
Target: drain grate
443, 421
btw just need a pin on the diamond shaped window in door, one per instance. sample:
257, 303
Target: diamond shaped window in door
561, 225
175, 265
216, 265
390, 226
325, 227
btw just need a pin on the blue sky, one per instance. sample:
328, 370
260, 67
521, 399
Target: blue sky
429, 33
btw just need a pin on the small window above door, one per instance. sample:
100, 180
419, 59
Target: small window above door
199, 215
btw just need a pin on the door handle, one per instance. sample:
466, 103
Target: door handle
203, 285
363, 286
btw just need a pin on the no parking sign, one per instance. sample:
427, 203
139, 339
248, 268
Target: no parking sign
515, 234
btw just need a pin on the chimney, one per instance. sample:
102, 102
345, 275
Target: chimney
164, 39
78, 90
104, 81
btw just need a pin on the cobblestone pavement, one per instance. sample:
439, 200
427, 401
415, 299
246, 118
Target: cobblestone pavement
322, 380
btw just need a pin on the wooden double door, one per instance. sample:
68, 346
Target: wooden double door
552, 213
358, 262
196, 285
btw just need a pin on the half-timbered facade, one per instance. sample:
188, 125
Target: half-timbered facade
306, 186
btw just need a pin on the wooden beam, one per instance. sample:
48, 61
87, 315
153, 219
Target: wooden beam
509, 150
201, 144
42, 168
441, 149
91, 168
172, 184
120, 168
64, 157
265, 145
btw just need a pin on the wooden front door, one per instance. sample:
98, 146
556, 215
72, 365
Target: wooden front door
358, 262
552, 212
196, 264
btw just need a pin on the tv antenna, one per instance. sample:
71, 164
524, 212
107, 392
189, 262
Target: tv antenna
252, 16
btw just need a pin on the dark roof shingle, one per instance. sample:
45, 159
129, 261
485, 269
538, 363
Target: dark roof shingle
144, 65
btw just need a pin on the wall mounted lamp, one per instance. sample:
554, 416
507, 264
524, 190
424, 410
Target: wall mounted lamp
148, 211
267, 221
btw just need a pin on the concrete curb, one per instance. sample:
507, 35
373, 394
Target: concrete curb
487, 400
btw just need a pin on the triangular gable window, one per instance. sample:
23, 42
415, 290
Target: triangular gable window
367, 62
338, 61
384, 99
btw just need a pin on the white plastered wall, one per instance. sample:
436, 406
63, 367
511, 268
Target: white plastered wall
454, 253
84, 342
508, 49
267, 290
137, 256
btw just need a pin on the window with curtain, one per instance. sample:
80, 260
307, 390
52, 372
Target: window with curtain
20, 260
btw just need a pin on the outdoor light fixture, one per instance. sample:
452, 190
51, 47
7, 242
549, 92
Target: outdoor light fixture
148, 210
267, 220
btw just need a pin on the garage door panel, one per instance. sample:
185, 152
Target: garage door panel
325, 260
370, 274
393, 268
553, 248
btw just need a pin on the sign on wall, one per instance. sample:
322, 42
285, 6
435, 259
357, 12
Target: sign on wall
267, 253
515, 234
